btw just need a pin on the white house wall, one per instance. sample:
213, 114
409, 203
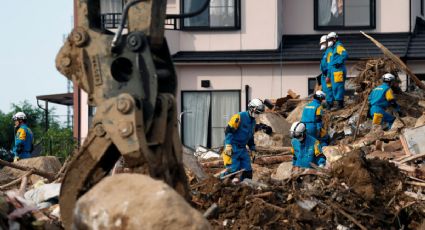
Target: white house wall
259, 30
264, 80
391, 16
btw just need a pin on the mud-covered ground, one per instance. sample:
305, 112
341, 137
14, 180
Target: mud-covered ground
356, 193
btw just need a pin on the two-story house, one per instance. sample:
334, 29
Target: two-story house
237, 50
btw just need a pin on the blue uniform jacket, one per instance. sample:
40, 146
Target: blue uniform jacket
306, 152
311, 117
326, 87
381, 96
336, 69
240, 130
23, 140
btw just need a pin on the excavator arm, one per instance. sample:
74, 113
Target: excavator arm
131, 81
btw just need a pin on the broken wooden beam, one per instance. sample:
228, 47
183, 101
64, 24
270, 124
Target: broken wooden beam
397, 61
49, 176
413, 157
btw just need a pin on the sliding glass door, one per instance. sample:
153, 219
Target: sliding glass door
205, 116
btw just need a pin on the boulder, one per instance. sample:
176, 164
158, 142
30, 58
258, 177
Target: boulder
49, 164
332, 153
296, 114
276, 139
278, 123
283, 172
135, 201
420, 121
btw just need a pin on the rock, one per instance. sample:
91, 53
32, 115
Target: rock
283, 172
43, 193
261, 173
332, 153
295, 115
392, 146
48, 164
422, 103
135, 201
278, 123
276, 139
409, 121
420, 121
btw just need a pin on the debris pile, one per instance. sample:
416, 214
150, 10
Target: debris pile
374, 177
367, 194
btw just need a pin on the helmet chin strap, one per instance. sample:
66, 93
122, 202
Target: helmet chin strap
251, 113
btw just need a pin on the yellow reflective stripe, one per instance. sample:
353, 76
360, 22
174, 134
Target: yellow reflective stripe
389, 95
323, 132
319, 111
377, 118
328, 58
340, 49
338, 76
235, 121
317, 148
21, 134
227, 160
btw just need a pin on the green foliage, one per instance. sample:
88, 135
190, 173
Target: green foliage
57, 141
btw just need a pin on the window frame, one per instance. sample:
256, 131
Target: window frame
209, 117
209, 28
333, 27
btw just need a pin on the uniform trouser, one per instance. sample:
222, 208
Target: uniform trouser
240, 159
379, 115
338, 90
311, 129
24, 155
327, 90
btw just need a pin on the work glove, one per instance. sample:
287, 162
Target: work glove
16, 159
252, 155
228, 150
328, 80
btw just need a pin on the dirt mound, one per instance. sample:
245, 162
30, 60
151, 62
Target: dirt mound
367, 191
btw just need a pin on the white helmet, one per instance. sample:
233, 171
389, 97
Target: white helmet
298, 130
322, 42
319, 95
19, 116
332, 35
388, 77
255, 107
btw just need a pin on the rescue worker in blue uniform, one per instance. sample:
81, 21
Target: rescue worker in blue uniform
337, 71
325, 81
380, 99
239, 134
23, 137
312, 118
306, 149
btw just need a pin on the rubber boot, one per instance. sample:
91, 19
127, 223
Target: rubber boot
339, 105
246, 174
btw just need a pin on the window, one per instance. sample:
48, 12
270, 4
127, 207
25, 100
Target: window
205, 115
220, 15
110, 12
344, 14
311, 85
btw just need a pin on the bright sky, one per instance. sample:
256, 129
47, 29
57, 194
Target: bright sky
32, 33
